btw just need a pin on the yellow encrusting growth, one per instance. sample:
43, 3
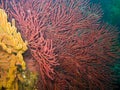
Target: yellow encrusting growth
11, 49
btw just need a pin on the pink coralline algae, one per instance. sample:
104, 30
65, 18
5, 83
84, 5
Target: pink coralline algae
69, 44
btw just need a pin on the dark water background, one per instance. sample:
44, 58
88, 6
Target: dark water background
111, 9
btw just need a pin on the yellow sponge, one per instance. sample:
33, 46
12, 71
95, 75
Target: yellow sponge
11, 49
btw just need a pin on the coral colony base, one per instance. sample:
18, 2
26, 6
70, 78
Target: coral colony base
68, 48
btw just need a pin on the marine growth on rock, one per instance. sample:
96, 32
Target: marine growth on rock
12, 66
68, 45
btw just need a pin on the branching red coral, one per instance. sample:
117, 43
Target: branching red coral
65, 37
31, 28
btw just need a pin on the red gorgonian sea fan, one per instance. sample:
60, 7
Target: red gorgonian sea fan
66, 39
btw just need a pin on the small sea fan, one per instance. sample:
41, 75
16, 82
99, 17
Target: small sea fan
71, 47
